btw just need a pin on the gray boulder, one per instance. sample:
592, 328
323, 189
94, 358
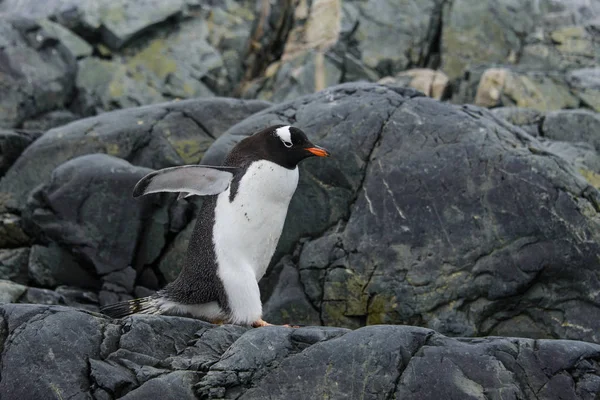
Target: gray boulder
585, 83
79, 354
53, 266
87, 207
11, 232
571, 134
436, 215
155, 137
38, 71
13, 265
573, 126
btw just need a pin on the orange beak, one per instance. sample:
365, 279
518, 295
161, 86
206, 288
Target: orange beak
318, 151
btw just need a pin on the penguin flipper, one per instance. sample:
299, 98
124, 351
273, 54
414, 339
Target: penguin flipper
144, 305
202, 180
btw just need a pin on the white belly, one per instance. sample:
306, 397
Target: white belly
247, 230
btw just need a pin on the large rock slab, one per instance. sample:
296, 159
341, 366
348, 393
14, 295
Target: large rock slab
155, 137
38, 72
79, 354
436, 215
86, 207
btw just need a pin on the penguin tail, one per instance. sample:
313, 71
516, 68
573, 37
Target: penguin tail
144, 305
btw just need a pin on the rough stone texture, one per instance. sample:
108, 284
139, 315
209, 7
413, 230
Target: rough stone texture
13, 265
87, 207
573, 126
585, 83
50, 120
428, 81
528, 119
436, 215
331, 41
571, 134
542, 35
391, 36
117, 21
504, 86
10, 292
11, 232
12, 144
76, 45
78, 354
53, 266
38, 72
156, 136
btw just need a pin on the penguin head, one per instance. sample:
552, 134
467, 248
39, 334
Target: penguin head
284, 145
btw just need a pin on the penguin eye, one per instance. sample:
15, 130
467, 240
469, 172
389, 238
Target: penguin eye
287, 144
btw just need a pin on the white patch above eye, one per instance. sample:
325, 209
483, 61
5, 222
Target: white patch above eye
285, 135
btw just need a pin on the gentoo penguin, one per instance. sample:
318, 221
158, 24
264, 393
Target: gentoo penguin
237, 228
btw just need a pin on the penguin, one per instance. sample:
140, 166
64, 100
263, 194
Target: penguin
236, 231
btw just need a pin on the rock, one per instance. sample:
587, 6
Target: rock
585, 83
193, 52
41, 296
117, 21
53, 266
60, 343
153, 136
304, 74
391, 37
76, 45
288, 301
125, 278
563, 47
105, 85
76, 353
38, 71
13, 265
490, 87
172, 261
504, 32
442, 216
11, 232
12, 144
508, 87
87, 207
428, 81
10, 292
528, 119
78, 298
331, 41
573, 126
50, 120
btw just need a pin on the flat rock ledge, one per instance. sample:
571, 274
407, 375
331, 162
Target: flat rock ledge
63, 353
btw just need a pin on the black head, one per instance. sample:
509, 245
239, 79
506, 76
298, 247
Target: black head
282, 144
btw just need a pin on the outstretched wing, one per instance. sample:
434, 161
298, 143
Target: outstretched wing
202, 180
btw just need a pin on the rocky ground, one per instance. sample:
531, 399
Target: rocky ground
77, 354
462, 198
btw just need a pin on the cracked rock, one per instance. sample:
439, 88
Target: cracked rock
75, 353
